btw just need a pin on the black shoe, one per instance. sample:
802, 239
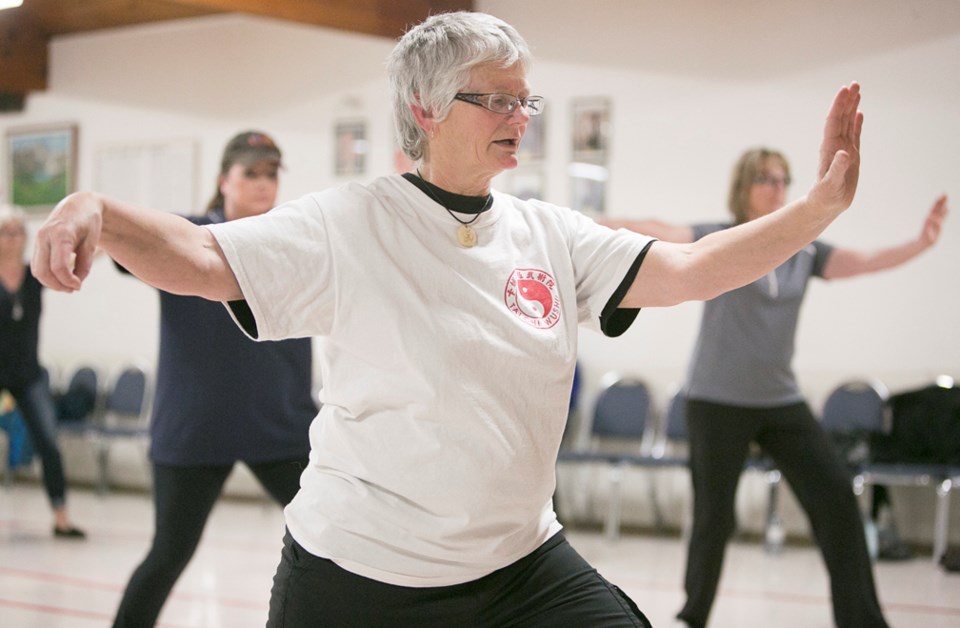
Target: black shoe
892, 546
895, 551
69, 532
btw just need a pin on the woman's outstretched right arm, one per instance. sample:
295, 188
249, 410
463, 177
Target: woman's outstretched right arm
162, 249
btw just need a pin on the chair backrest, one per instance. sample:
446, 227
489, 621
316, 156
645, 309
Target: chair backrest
857, 406
47, 377
129, 397
575, 388
675, 428
573, 416
85, 379
81, 398
624, 411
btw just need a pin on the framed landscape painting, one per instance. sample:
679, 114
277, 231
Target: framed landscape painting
41, 165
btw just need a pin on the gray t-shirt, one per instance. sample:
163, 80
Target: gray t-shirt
745, 348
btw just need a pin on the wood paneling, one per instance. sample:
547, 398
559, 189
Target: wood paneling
386, 18
23, 57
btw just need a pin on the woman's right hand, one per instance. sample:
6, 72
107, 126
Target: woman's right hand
67, 242
839, 169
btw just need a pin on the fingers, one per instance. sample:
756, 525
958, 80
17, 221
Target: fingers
843, 126
844, 108
938, 212
40, 263
933, 224
851, 120
54, 260
857, 130
940, 205
56, 271
66, 243
838, 169
82, 262
855, 120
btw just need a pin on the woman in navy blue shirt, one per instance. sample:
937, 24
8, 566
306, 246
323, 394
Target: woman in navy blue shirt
221, 398
20, 371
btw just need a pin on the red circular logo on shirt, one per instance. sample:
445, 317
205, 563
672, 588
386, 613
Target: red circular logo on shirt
532, 295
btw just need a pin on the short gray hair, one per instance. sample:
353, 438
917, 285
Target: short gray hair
433, 61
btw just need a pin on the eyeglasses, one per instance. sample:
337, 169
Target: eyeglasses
504, 103
767, 179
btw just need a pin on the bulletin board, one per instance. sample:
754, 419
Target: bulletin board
159, 175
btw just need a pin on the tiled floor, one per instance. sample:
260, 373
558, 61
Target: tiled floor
53, 583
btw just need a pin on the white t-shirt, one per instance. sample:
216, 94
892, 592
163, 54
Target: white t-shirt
447, 370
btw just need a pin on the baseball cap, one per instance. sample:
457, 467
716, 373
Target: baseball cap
248, 148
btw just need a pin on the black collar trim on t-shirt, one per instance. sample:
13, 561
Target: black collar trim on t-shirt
454, 202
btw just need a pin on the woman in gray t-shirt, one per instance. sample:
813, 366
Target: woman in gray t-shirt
741, 388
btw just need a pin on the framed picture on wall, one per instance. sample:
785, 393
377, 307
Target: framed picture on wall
41, 165
351, 145
526, 182
588, 187
591, 130
531, 147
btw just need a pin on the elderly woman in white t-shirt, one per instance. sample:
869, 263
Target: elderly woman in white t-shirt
447, 317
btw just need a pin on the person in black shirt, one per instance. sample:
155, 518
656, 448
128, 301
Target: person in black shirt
221, 399
20, 370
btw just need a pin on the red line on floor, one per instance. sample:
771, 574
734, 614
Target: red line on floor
54, 610
43, 576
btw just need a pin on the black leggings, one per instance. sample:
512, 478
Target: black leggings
553, 586
183, 498
40, 415
719, 440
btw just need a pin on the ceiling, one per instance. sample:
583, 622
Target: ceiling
25, 32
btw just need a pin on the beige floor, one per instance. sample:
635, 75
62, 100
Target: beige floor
49, 583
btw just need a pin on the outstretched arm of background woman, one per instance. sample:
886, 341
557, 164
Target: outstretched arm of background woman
658, 229
849, 263
164, 250
676, 272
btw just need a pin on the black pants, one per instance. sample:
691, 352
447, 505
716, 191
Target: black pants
551, 587
40, 416
183, 498
719, 442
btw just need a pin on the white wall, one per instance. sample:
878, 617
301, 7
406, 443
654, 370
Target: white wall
695, 83
692, 85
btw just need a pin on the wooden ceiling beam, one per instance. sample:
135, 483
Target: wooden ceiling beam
25, 31
384, 18
74, 16
23, 55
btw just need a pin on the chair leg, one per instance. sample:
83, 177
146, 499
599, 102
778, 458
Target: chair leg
774, 533
145, 444
869, 525
103, 451
859, 484
658, 519
942, 519
612, 528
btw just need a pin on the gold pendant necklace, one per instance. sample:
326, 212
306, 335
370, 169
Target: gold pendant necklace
466, 235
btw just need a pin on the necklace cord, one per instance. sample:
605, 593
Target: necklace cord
466, 223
